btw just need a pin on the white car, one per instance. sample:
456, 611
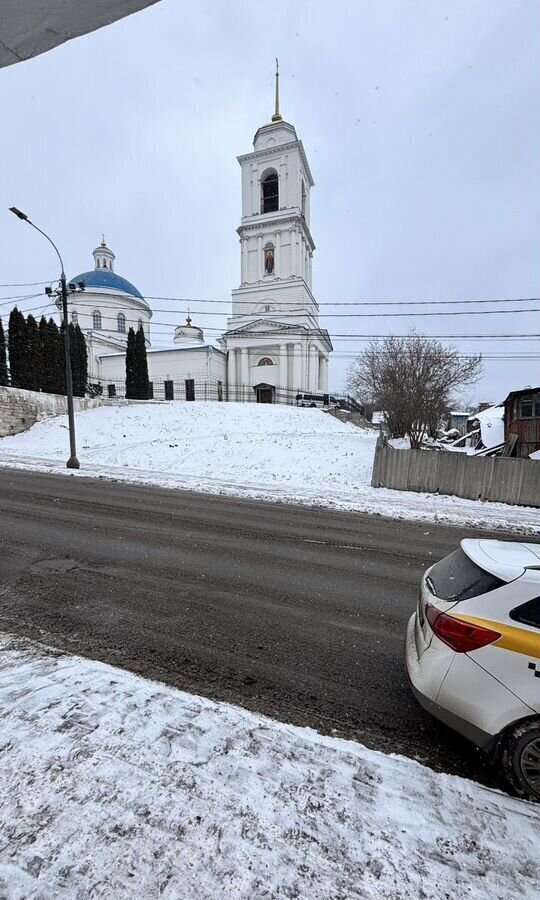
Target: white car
473, 651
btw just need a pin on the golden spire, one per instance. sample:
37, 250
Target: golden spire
277, 115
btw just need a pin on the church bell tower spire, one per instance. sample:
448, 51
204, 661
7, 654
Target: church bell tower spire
277, 115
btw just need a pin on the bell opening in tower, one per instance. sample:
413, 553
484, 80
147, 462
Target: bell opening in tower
270, 192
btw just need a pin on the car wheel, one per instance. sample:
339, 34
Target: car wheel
520, 757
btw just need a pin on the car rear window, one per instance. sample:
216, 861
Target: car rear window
528, 613
456, 577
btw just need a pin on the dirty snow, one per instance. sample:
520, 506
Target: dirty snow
249, 450
113, 786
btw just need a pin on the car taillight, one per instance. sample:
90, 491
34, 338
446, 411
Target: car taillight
459, 635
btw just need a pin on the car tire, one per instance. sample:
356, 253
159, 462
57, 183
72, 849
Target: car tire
520, 758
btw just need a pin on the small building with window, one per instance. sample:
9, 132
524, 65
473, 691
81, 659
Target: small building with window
522, 418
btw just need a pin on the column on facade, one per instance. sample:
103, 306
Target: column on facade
324, 384
259, 257
244, 371
292, 233
256, 189
297, 367
243, 278
277, 253
283, 367
313, 368
231, 375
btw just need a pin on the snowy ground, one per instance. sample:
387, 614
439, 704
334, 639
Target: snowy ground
266, 452
115, 787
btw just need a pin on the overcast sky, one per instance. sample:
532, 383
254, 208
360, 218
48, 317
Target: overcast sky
420, 119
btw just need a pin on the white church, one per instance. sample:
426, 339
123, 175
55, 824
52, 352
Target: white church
273, 347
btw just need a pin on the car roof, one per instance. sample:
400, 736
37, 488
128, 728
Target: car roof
506, 560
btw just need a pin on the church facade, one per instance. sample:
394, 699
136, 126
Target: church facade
273, 346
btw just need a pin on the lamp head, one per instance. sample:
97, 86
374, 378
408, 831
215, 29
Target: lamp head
18, 213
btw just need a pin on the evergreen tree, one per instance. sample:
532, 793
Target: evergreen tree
130, 366
142, 382
17, 348
44, 345
3, 358
57, 364
82, 362
33, 351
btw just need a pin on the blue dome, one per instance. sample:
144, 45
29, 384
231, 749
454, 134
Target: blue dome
105, 279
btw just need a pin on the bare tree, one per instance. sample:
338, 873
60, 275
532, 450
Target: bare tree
412, 379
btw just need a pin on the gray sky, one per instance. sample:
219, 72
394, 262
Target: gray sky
420, 119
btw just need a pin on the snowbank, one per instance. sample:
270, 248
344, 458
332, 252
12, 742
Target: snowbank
250, 450
116, 787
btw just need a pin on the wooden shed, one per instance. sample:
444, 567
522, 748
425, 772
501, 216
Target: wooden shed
522, 417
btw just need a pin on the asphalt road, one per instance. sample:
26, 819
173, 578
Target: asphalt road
298, 613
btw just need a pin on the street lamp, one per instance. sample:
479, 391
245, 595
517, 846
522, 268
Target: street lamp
73, 462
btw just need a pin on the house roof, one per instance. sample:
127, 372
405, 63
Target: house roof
525, 390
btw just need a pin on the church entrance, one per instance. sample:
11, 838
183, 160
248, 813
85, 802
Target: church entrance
264, 392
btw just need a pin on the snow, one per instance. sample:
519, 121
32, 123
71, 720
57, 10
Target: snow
491, 426
117, 787
535, 454
267, 452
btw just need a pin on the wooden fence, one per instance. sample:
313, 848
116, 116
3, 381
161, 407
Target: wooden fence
498, 479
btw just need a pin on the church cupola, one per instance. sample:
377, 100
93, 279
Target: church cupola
188, 333
103, 256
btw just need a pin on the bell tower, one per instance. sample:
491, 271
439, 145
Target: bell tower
273, 339
276, 245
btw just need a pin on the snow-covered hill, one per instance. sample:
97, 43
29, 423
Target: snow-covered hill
262, 451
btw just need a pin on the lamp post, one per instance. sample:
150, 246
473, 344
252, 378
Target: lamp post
73, 462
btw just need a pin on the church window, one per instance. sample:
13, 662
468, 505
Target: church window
270, 192
269, 259
121, 322
74, 318
265, 361
97, 263
96, 319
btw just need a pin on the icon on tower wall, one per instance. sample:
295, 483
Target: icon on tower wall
269, 261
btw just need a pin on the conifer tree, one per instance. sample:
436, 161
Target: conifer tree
17, 348
130, 366
3, 358
44, 345
142, 382
82, 361
57, 364
33, 352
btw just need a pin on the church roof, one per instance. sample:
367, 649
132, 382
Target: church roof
107, 280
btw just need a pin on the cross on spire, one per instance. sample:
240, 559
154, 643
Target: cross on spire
277, 115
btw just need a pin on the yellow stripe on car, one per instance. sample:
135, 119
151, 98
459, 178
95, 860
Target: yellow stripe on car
512, 638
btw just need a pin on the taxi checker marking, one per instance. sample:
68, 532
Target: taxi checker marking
535, 668
517, 639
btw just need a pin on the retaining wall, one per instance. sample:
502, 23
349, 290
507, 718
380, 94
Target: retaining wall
20, 409
498, 479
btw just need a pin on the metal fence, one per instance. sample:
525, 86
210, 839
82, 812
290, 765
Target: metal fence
503, 480
197, 389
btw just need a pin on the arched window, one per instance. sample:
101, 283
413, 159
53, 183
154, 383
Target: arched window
96, 320
97, 263
269, 259
303, 198
74, 318
121, 322
265, 361
270, 192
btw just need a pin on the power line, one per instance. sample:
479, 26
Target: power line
356, 302
28, 283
